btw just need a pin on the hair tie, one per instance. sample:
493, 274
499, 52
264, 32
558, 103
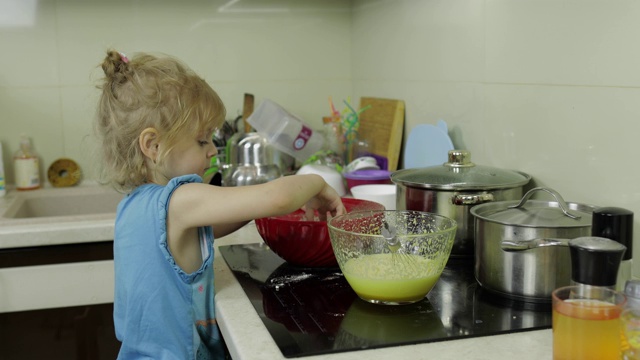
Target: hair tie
124, 58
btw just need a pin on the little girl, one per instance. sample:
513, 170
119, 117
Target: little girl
156, 120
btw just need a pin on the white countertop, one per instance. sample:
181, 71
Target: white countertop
248, 338
96, 224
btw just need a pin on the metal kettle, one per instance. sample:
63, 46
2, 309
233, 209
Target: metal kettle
248, 161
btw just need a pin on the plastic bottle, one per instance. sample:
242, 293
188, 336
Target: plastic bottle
285, 131
3, 190
27, 167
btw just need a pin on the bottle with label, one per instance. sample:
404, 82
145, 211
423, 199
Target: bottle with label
3, 189
285, 131
27, 166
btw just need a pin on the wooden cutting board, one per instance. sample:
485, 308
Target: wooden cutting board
382, 126
247, 110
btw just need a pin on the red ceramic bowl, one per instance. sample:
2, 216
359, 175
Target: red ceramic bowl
305, 243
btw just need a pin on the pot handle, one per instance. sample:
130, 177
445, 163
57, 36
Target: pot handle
471, 199
520, 245
555, 194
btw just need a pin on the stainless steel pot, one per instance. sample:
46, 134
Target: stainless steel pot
504, 226
453, 189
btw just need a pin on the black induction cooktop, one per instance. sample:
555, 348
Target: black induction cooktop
312, 311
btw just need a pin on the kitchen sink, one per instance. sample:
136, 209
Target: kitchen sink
63, 202
57, 216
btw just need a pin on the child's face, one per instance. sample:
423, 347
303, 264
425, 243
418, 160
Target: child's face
190, 156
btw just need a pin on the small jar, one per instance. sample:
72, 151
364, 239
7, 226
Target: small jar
26, 166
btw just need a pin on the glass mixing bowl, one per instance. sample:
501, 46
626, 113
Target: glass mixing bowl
382, 274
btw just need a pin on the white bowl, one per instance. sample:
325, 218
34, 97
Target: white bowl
384, 194
328, 173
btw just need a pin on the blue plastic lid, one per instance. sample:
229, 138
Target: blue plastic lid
368, 175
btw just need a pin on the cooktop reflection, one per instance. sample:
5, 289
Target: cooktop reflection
312, 311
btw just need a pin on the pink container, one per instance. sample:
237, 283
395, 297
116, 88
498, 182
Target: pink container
363, 177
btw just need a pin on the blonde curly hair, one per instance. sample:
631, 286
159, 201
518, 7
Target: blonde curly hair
148, 91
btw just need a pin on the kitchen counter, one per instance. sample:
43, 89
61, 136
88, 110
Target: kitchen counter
56, 216
248, 338
244, 332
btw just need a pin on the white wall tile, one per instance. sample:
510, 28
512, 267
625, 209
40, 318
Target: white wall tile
296, 52
34, 112
418, 40
29, 52
546, 87
571, 42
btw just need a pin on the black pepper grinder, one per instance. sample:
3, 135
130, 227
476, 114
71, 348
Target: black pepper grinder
616, 224
595, 261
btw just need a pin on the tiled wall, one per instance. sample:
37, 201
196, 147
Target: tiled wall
548, 87
296, 53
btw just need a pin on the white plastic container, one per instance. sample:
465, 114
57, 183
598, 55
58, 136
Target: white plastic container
3, 189
26, 166
330, 175
381, 193
285, 131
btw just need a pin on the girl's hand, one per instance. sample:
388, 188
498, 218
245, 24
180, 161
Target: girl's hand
326, 201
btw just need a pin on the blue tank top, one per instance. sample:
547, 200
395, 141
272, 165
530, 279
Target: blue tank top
160, 312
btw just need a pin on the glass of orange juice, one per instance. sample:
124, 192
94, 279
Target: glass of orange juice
586, 323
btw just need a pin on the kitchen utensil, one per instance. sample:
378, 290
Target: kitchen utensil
594, 260
243, 175
427, 145
384, 194
304, 242
616, 224
453, 188
398, 258
367, 263
247, 110
527, 275
249, 149
254, 149
382, 126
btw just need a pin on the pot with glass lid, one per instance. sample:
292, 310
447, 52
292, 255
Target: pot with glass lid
453, 188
